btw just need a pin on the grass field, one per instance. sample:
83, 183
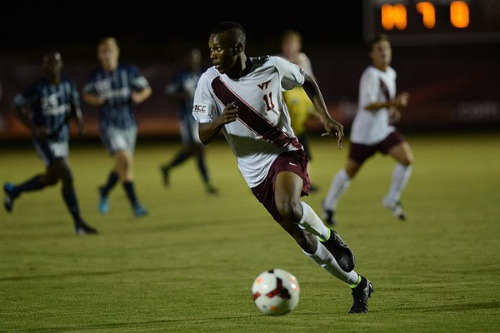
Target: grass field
189, 265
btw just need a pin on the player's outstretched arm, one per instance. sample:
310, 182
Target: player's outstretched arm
332, 127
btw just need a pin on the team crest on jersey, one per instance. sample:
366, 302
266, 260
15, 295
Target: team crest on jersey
200, 108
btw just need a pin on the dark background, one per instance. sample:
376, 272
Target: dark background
162, 27
452, 86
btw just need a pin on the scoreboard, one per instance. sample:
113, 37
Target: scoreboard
420, 22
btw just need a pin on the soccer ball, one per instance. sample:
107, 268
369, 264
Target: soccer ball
275, 292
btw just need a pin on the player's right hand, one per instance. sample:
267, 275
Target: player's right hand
401, 100
230, 113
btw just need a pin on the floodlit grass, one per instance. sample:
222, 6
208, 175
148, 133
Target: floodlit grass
189, 265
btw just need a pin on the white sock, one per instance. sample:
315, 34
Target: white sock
325, 259
338, 186
311, 222
400, 177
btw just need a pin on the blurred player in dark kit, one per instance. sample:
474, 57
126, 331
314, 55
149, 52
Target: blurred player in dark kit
181, 89
46, 107
116, 88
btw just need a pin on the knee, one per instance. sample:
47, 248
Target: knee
291, 210
49, 180
351, 169
67, 179
126, 163
351, 173
407, 160
124, 159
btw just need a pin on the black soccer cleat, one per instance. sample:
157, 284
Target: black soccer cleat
8, 201
81, 228
165, 172
328, 215
360, 296
313, 188
211, 189
340, 251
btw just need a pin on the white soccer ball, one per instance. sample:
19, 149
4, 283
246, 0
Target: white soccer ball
275, 292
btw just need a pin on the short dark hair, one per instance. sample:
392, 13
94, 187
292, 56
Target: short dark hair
376, 39
51, 53
235, 28
291, 33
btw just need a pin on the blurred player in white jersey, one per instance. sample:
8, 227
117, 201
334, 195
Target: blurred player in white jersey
241, 97
372, 131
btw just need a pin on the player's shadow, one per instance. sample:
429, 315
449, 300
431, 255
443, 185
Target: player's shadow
457, 307
80, 274
133, 325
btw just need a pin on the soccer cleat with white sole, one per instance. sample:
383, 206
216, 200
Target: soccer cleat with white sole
396, 209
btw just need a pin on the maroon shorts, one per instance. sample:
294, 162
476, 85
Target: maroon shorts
361, 153
293, 161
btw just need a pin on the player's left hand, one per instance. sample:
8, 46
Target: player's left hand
136, 97
334, 128
394, 115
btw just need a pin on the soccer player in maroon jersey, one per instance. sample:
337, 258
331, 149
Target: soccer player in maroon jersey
241, 97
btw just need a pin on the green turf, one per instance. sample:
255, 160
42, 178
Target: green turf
189, 265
